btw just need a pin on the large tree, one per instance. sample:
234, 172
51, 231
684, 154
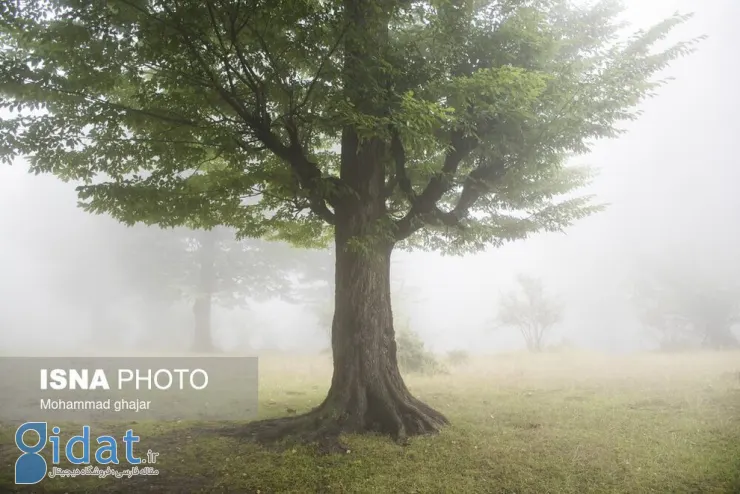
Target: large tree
207, 267
441, 124
101, 265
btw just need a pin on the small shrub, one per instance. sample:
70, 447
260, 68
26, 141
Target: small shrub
412, 356
458, 357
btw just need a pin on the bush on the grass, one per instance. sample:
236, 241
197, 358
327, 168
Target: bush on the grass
458, 357
413, 356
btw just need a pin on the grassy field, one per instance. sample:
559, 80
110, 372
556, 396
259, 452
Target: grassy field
551, 423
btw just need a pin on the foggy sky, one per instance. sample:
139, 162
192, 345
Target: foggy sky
670, 182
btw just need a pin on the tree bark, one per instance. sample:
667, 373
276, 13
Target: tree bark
367, 391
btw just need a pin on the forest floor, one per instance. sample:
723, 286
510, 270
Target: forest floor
550, 423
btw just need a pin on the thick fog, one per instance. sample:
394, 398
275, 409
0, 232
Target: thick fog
670, 182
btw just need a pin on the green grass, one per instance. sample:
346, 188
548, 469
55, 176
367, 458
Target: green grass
551, 423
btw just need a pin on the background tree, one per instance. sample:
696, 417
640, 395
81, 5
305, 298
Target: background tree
441, 125
104, 268
531, 311
108, 273
687, 307
82, 253
204, 267
212, 267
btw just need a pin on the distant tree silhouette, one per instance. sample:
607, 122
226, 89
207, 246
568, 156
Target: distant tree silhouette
530, 311
688, 307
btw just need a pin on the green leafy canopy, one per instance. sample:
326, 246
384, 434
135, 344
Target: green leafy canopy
249, 113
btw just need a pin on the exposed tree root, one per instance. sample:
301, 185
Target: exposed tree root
323, 426
367, 393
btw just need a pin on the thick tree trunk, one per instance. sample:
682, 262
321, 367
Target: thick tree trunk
367, 392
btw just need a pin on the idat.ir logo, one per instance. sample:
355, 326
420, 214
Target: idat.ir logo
31, 467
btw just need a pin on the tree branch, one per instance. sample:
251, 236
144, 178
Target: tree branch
320, 69
400, 177
476, 184
426, 203
308, 173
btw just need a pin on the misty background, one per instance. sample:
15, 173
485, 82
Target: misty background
671, 184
